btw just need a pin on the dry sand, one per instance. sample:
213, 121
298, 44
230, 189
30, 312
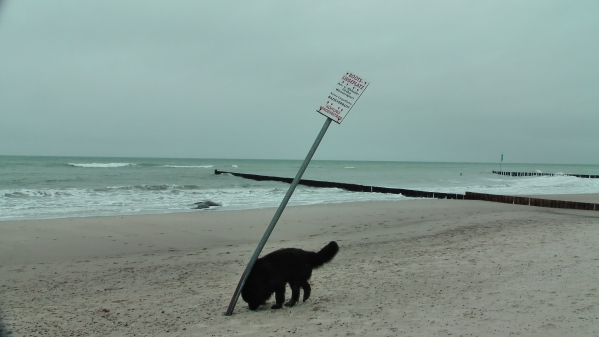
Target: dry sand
408, 268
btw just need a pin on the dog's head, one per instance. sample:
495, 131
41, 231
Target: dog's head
254, 293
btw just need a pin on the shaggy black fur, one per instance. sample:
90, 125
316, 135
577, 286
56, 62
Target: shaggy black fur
272, 272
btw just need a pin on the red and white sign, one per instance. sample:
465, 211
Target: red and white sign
343, 97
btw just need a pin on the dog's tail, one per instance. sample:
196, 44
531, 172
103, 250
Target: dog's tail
324, 255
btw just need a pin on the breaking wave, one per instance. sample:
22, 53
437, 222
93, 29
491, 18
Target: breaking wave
100, 165
188, 166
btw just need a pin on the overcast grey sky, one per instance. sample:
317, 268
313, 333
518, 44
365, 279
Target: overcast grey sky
450, 80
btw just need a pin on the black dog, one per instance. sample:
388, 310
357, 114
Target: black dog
272, 272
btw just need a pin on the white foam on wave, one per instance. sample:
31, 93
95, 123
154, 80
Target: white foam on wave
558, 184
188, 166
101, 165
28, 193
234, 198
19, 204
70, 202
234, 166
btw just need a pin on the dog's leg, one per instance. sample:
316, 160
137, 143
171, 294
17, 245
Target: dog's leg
307, 290
294, 294
279, 297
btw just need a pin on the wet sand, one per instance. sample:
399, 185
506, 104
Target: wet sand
407, 268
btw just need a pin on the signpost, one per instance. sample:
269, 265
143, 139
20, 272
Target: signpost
341, 99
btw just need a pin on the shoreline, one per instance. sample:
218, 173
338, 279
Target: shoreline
412, 267
578, 197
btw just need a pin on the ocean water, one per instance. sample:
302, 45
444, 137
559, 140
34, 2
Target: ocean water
61, 187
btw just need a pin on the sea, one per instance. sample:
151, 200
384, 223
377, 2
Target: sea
64, 187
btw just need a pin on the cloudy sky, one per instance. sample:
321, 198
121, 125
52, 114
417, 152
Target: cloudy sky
450, 80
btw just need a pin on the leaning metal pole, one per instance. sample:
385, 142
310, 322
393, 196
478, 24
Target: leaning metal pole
276, 217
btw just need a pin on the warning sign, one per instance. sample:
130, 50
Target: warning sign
343, 97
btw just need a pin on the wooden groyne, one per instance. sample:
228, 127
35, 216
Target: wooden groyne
350, 187
538, 202
539, 174
506, 199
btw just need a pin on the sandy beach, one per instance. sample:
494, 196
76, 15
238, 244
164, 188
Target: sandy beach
408, 268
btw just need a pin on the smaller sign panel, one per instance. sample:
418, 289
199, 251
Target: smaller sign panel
343, 97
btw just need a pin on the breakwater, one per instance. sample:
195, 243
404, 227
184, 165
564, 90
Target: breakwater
506, 199
349, 187
538, 202
540, 174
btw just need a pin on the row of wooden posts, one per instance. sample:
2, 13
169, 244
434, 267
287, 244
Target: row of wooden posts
349, 187
424, 194
539, 174
539, 202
